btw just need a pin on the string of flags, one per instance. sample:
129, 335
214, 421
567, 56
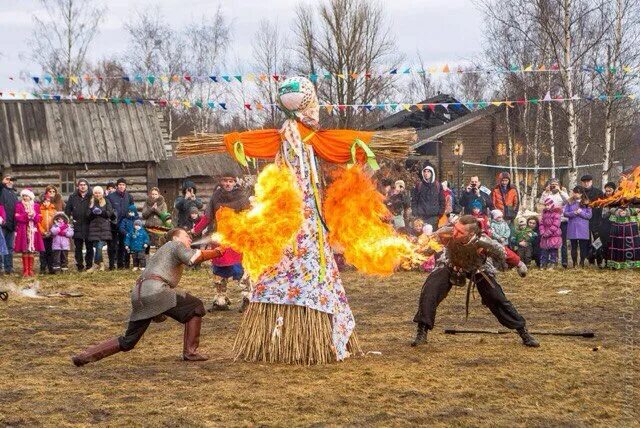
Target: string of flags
47, 79
330, 108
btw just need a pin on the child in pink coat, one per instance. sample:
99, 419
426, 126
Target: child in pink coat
28, 237
550, 234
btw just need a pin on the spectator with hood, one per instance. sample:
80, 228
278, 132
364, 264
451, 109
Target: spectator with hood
184, 203
427, 197
505, 197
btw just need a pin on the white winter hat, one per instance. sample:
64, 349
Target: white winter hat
29, 193
496, 214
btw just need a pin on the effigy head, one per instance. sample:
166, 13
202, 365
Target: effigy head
297, 97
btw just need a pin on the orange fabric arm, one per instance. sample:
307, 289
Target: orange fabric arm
334, 145
261, 143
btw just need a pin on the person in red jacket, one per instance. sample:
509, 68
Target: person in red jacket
229, 266
505, 197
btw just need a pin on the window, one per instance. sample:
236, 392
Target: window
67, 182
502, 149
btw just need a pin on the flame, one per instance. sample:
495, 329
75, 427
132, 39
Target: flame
262, 233
628, 192
353, 212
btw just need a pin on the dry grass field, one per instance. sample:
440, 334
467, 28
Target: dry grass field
461, 380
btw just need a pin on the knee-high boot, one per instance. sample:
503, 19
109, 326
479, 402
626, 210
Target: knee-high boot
25, 265
97, 352
192, 340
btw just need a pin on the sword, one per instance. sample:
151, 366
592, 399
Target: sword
584, 333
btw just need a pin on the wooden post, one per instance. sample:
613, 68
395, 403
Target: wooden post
152, 175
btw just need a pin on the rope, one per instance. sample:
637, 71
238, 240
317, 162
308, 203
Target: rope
529, 168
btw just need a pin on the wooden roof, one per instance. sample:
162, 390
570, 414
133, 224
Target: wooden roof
433, 134
202, 165
425, 118
38, 132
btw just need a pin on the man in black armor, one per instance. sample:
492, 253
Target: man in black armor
469, 254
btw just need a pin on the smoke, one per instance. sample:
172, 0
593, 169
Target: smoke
30, 291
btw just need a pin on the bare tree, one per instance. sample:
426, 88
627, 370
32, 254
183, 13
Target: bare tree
272, 58
348, 38
421, 85
62, 37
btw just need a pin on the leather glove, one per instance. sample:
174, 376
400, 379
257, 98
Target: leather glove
209, 254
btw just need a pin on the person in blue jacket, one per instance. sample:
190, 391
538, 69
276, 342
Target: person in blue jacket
136, 243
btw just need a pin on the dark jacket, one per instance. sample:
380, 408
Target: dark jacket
427, 199
9, 199
100, 222
236, 199
468, 197
183, 208
78, 209
120, 203
596, 218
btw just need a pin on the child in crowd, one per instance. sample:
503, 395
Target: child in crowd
550, 234
416, 230
397, 201
136, 243
47, 212
194, 218
126, 226
532, 223
500, 229
28, 237
522, 240
476, 211
62, 233
578, 214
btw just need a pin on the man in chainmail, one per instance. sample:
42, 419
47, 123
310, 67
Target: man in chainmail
469, 254
154, 297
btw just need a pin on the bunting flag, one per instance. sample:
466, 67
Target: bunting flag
326, 75
330, 108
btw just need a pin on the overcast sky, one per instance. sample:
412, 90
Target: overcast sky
443, 31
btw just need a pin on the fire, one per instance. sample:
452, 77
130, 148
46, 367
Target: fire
263, 232
353, 212
628, 192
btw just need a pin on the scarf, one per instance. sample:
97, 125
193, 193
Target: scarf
31, 227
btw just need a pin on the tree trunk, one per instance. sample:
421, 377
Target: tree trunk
572, 128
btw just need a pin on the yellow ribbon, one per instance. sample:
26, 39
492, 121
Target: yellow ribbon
308, 137
371, 157
238, 151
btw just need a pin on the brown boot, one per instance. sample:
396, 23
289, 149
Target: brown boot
192, 340
97, 352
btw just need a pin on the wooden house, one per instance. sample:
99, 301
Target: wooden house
203, 171
452, 138
49, 142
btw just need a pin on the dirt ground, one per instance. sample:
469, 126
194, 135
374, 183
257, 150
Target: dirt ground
461, 380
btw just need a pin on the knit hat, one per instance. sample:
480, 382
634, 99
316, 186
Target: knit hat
138, 222
132, 209
194, 210
399, 183
29, 193
82, 180
61, 215
476, 204
427, 229
496, 214
548, 202
554, 180
522, 221
164, 216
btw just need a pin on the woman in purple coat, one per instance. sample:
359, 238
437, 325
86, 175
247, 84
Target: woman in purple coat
28, 238
578, 212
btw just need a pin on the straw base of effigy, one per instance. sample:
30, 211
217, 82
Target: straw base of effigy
305, 336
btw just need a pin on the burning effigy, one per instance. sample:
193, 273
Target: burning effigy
299, 312
622, 208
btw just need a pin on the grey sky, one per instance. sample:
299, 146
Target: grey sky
443, 31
